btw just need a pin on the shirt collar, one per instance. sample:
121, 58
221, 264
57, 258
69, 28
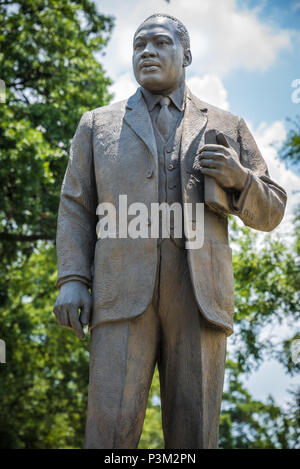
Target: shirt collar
177, 97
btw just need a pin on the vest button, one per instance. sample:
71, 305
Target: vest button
171, 185
149, 173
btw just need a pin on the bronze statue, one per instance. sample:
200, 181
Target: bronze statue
153, 300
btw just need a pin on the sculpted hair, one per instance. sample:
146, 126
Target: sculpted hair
182, 32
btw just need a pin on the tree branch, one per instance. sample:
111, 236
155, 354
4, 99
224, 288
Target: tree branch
31, 78
24, 238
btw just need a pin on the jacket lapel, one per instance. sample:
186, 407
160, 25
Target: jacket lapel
195, 119
138, 119
194, 124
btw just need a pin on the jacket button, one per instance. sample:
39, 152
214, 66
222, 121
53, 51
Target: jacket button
171, 185
149, 173
170, 166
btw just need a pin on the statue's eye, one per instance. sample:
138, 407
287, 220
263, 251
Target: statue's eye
139, 45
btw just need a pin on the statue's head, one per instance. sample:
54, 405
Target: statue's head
161, 51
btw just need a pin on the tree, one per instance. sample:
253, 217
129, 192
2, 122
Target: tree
247, 423
267, 285
48, 63
152, 435
49, 53
44, 383
290, 152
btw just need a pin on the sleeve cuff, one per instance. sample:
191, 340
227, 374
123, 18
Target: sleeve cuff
72, 278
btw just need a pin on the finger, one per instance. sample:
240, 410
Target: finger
213, 147
64, 317
75, 323
61, 315
211, 154
211, 172
84, 317
210, 163
222, 140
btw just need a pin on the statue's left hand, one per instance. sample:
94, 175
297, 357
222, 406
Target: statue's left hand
221, 162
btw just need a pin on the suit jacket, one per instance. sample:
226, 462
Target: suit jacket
114, 152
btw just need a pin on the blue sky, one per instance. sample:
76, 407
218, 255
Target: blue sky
246, 54
271, 87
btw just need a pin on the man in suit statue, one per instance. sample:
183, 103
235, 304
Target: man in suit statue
153, 300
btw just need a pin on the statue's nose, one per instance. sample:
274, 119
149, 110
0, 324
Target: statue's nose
149, 50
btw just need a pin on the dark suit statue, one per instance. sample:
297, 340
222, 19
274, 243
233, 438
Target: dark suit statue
153, 300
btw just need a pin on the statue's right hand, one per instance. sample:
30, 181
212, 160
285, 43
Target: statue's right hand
73, 296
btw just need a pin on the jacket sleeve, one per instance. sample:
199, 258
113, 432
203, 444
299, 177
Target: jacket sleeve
76, 226
261, 204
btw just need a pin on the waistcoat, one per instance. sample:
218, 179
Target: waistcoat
169, 180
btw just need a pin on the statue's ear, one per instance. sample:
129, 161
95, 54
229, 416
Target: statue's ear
187, 58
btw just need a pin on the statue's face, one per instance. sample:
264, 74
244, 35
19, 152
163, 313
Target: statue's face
158, 56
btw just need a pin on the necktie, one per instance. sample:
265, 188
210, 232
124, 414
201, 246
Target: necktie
164, 117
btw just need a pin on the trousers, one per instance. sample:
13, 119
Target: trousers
190, 354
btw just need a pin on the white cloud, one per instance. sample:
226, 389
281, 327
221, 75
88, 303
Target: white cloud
271, 379
123, 87
230, 38
224, 37
269, 139
296, 6
209, 88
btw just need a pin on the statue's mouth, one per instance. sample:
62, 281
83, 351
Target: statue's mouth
148, 65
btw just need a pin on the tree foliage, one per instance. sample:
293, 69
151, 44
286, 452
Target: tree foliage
247, 423
49, 66
44, 382
48, 55
290, 151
